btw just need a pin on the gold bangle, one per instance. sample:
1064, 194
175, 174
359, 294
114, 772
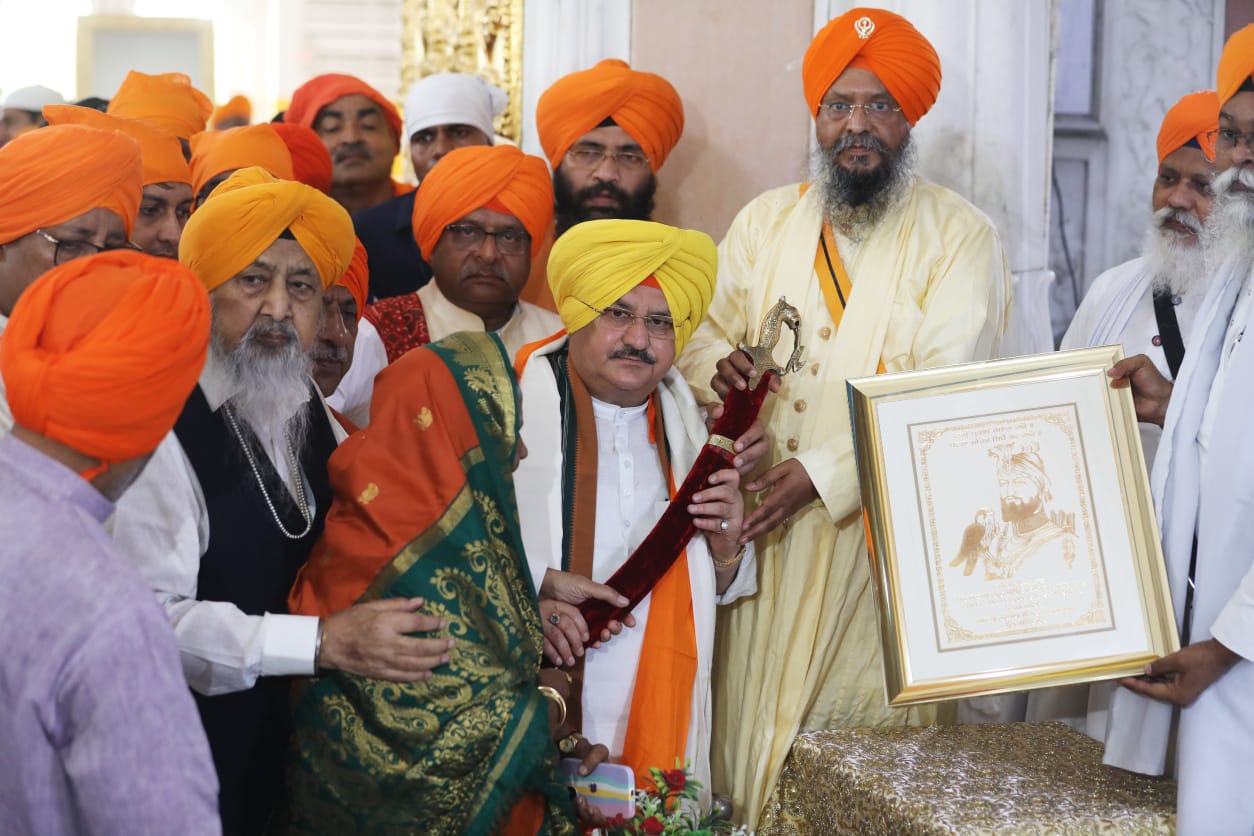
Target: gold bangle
551, 694
728, 564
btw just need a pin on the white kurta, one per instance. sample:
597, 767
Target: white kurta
1210, 495
352, 397
538, 482
6, 416
162, 526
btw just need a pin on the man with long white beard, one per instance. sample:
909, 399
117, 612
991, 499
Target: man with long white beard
1148, 304
232, 502
926, 285
1203, 479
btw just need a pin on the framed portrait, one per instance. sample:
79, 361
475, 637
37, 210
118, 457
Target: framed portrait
1010, 527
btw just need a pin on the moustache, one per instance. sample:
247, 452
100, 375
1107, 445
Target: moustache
602, 190
863, 140
324, 353
628, 352
1185, 218
352, 149
1226, 181
272, 328
479, 268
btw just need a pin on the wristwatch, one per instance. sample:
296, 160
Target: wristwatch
568, 744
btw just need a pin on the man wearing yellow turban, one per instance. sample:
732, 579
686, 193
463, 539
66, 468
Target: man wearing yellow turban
479, 219
167, 197
99, 355
611, 428
1202, 480
927, 282
233, 500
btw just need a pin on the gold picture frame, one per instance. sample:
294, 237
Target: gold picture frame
1010, 526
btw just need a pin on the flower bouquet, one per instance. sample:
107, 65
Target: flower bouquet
670, 807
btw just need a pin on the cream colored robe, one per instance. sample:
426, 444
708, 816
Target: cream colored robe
931, 287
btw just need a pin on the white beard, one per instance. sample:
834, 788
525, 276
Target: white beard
272, 385
1175, 266
1228, 236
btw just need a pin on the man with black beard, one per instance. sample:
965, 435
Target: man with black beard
606, 131
926, 283
233, 500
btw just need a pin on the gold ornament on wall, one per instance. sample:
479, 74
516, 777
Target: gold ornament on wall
483, 37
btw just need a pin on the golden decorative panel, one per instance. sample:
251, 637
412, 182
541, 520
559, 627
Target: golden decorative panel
483, 37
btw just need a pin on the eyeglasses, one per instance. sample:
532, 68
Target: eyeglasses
468, 237
589, 157
1227, 138
874, 111
659, 327
66, 250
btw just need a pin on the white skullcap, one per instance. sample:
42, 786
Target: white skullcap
453, 99
33, 98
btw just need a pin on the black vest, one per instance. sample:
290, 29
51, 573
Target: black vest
251, 564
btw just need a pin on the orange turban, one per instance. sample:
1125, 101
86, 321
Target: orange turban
1236, 63
57, 173
214, 152
167, 100
248, 213
643, 104
237, 108
498, 177
312, 96
311, 161
101, 352
160, 151
883, 43
1194, 118
356, 279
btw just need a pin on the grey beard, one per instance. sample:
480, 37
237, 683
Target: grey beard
272, 385
1228, 235
1174, 266
856, 201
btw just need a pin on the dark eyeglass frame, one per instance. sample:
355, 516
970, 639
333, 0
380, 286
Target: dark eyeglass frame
59, 244
470, 237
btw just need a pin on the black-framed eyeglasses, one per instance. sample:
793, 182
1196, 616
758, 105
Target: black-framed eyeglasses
874, 111
657, 326
585, 156
1228, 138
469, 237
68, 250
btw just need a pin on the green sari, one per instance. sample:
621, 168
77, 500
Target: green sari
453, 754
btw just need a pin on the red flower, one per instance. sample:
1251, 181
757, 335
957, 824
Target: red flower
652, 826
675, 779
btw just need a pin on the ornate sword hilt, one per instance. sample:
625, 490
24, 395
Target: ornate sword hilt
763, 354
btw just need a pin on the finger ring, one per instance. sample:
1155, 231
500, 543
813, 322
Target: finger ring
554, 618
724, 525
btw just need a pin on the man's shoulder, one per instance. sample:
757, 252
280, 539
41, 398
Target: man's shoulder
946, 203
777, 199
383, 217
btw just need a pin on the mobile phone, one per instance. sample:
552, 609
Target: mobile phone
609, 789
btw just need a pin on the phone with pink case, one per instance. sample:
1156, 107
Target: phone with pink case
609, 789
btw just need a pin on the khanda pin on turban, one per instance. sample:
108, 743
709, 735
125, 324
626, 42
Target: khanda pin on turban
356, 279
311, 161
101, 352
312, 96
167, 100
214, 152
160, 152
248, 213
1236, 65
596, 263
57, 173
883, 43
496, 177
1193, 121
644, 105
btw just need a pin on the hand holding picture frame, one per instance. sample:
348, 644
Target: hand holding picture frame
1010, 527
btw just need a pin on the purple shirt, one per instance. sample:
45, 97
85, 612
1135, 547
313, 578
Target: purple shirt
98, 732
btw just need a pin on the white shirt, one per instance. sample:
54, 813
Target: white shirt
162, 526
6, 417
1236, 332
631, 496
528, 324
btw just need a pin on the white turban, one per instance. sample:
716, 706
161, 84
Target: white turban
32, 98
453, 99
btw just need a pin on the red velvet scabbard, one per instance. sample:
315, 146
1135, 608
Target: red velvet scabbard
666, 542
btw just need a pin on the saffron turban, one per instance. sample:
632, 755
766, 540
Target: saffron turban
101, 352
160, 152
1195, 118
596, 263
1236, 63
214, 152
248, 213
884, 43
496, 177
643, 104
453, 99
312, 96
237, 108
311, 161
356, 279
57, 173
167, 100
